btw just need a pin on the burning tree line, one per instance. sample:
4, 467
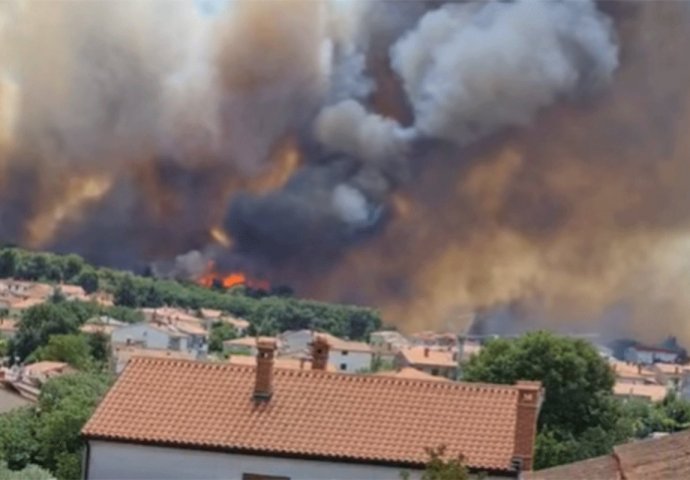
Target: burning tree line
268, 311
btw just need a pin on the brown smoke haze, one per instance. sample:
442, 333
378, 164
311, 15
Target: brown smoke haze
425, 158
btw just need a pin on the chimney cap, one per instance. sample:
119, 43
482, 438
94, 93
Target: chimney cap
266, 343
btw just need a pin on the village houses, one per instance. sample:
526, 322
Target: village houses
207, 420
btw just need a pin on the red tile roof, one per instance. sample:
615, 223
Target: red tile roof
429, 357
663, 458
312, 414
653, 393
409, 372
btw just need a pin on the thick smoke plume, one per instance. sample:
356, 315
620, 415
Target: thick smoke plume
428, 158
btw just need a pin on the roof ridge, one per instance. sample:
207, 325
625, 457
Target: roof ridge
364, 378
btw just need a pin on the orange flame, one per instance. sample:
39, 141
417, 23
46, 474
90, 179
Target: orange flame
229, 280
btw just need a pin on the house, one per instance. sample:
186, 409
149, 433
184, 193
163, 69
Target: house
20, 295
670, 374
646, 355
178, 419
630, 373
279, 362
150, 335
73, 292
433, 339
664, 458
348, 356
27, 380
212, 316
648, 393
434, 361
102, 324
241, 346
388, 340
122, 354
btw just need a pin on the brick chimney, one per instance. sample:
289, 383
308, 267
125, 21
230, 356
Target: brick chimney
529, 403
426, 352
263, 388
319, 353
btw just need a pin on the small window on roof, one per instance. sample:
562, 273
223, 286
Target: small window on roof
343, 366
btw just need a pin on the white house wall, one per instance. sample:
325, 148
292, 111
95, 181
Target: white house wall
353, 361
142, 332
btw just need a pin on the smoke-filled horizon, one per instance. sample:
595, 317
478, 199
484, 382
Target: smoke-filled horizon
426, 158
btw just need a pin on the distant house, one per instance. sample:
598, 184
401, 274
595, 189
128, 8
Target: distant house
347, 356
102, 324
634, 374
211, 316
27, 380
646, 355
240, 346
122, 354
439, 362
648, 393
665, 458
177, 419
150, 335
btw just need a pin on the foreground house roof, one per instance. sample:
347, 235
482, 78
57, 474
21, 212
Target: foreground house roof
654, 459
315, 414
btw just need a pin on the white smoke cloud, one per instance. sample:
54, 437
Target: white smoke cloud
472, 69
349, 128
351, 205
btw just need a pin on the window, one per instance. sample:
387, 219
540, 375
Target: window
343, 366
258, 476
434, 371
344, 352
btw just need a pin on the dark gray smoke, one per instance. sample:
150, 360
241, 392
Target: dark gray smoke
468, 70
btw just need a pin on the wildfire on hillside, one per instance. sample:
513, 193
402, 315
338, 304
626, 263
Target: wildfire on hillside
229, 280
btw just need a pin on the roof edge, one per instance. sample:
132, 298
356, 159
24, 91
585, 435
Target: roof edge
508, 472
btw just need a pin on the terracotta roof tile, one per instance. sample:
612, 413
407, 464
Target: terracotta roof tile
599, 468
311, 413
428, 356
663, 458
409, 372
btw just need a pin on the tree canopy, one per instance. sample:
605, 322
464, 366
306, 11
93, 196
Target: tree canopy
579, 417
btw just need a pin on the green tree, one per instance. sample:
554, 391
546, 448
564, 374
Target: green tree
18, 445
126, 293
99, 347
39, 323
73, 349
8, 262
220, 331
88, 280
441, 467
30, 472
579, 417
65, 404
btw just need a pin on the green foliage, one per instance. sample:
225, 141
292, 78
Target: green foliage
124, 314
88, 280
670, 415
73, 349
126, 294
579, 417
441, 467
39, 323
18, 444
65, 404
268, 313
30, 472
99, 347
220, 331
8, 262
